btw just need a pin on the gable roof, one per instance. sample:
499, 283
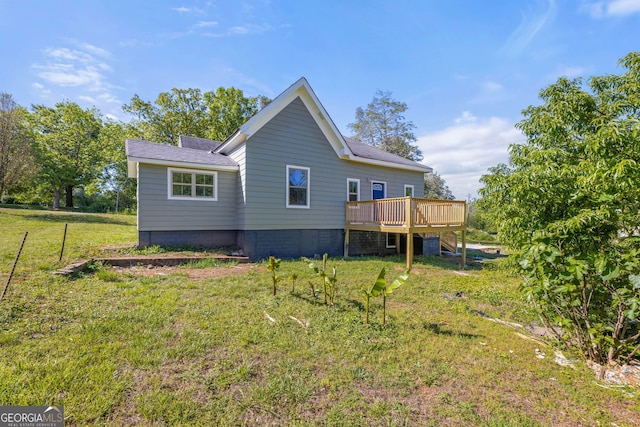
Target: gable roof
198, 143
139, 151
345, 148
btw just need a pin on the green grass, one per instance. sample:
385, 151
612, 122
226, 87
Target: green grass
118, 348
480, 236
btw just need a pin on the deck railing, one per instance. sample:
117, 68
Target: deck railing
407, 212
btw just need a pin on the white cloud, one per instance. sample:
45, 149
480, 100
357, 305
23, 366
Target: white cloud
601, 9
61, 54
135, 43
488, 92
493, 86
87, 99
108, 98
83, 68
462, 153
241, 30
623, 7
69, 75
94, 50
203, 24
41, 89
466, 117
568, 71
184, 9
532, 23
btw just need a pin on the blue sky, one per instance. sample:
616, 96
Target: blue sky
466, 69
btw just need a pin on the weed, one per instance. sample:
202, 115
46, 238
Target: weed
107, 275
204, 263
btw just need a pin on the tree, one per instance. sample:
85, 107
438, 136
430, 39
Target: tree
227, 110
17, 163
67, 146
113, 182
383, 125
569, 203
436, 188
174, 113
189, 112
477, 216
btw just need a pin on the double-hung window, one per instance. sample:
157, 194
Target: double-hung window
298, 190
408, 190
187, 184
353, 190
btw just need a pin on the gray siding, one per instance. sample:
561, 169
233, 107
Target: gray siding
293, 138
239, 157
157, 213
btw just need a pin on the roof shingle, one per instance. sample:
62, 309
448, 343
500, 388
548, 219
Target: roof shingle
367, 151
163, 152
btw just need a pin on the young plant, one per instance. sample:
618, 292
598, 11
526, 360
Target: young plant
388, 289
373, 291
293, 277
331, 282
380, 287
328, 282
313, 291
274, 265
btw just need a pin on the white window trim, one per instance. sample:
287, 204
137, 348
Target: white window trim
384, 195
193, 183
413, 190
349, 181
286, 186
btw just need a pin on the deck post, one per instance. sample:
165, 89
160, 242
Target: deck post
464, 236
409, 250
408, 221
464, 246
346, 242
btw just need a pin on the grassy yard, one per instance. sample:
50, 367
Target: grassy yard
188, 346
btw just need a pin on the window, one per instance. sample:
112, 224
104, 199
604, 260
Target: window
297, 187
353, 190
408, 190
391, 240
185, 184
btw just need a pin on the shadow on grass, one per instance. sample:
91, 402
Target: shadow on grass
436, 329
71, 218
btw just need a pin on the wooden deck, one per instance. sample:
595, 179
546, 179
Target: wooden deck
407, 215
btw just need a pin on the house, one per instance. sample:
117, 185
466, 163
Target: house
286, 183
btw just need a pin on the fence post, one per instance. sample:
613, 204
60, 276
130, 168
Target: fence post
14, 266
64, 238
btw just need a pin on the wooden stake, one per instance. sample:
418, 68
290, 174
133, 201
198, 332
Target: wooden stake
14, 266
64, 238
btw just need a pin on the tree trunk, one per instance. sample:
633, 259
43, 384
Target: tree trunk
56, 199
69, 199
